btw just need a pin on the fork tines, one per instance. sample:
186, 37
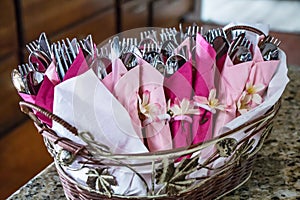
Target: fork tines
25, 68
273, 40
32, 46
148, 34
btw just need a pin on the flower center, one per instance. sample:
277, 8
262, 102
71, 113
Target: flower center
251, 90
213, 103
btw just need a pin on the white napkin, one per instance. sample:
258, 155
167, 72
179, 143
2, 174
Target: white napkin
85, 103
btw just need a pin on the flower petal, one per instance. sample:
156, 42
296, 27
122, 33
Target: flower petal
220, 107
259, 87
243, 111
204, 106
185, 104
193, 111
146, 97
256, 98
168, 104
175, 110
248, 85
212, 94
201, 100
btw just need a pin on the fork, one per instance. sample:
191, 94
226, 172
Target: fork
24, 69
149, 34
192, 31
269, 48
61, 71
23, 80
147, 37
38, 56
32, 46
151, 53
87, 46
240, 50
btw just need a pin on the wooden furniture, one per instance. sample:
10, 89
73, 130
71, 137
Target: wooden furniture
23, 21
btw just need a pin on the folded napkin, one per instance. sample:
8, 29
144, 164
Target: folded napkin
118, 69
178, 87
44, 99
260, 76
272, 93
233, 79
204, 75
141, 92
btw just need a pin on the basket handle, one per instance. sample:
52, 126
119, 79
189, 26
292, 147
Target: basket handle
26, 108
245, 27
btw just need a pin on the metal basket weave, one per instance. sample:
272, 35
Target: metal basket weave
224, 179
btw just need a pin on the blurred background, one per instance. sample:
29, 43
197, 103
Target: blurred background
22, 152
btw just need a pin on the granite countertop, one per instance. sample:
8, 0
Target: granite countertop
276, 173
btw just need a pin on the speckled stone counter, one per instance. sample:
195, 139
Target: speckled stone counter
276, 174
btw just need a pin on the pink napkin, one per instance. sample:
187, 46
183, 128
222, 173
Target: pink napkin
44, 99
79, 66
232, 81
260, 76
179, 87
51, 73
27, 97
117, 71
203, 82
144, 85
262, 71
45, 95
205, 61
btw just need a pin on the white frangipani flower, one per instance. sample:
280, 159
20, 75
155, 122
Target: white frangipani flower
184, 107
211, 103
243, 104
147, 109
249, 97
253, 90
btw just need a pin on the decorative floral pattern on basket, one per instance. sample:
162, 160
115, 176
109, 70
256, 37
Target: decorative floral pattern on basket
226, 147
173, 179
101, 180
